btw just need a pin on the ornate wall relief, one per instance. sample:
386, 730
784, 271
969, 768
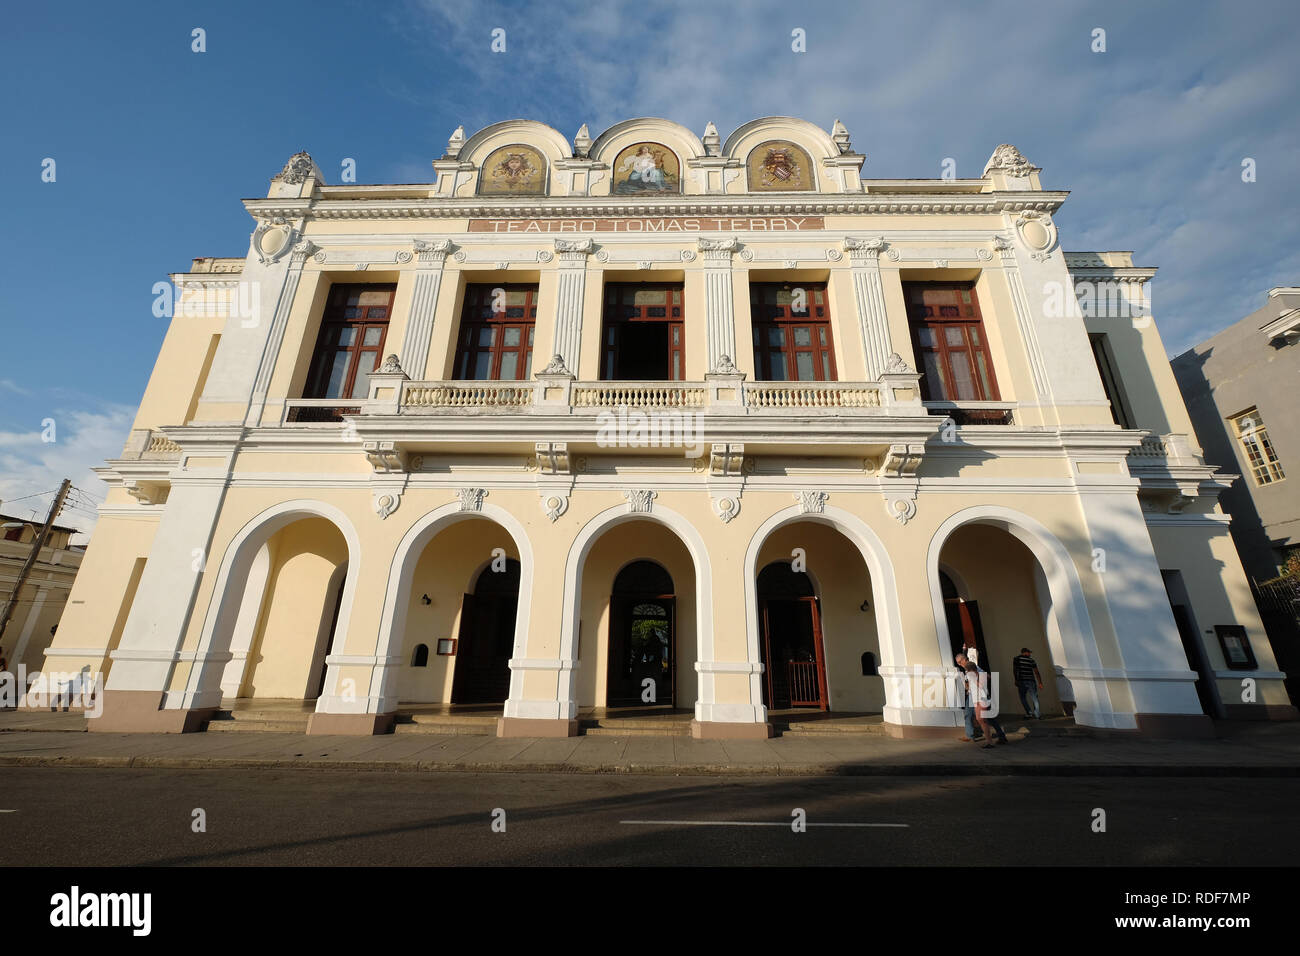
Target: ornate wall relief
780, 166
513, 171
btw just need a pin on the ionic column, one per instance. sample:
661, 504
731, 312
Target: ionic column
572, 274
719, 304
424, 300
869, 293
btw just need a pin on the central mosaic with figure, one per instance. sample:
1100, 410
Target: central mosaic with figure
646, 168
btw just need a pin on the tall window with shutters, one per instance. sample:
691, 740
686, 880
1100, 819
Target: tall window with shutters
497, 328
351, 341
950, 342
792, 332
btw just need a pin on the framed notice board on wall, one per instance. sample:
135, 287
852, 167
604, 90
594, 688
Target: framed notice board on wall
1237, 652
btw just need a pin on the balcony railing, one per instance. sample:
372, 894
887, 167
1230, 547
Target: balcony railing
468, 395
975, 413
639, 395
786, 395
320, 411
711, 396
1161, 451
720, 393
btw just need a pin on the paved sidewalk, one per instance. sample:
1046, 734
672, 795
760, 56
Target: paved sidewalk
1242, 749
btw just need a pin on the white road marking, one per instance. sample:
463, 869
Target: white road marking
749, 823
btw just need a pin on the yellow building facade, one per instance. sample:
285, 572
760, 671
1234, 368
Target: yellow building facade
655, 420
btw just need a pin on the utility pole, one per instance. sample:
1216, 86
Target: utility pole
37, 543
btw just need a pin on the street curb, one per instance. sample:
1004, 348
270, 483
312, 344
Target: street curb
780, 770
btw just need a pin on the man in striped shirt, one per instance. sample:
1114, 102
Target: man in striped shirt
1028, 681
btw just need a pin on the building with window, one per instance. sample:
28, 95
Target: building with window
698, 427
1241, 389
39, 603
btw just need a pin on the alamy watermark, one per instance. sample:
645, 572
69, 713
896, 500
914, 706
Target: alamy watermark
626, 427
53, 690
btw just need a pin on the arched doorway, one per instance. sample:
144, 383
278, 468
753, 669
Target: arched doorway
794, 659
995, 597
292, 615
486, 636
642, 611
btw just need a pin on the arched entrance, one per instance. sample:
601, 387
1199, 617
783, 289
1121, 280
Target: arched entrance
281, 597
1011, 585
794, 659
823, 586
294, 614
486, 636
642, 648
459, 585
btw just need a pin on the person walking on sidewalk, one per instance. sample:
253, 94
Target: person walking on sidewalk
979, 693
1028, 681
968, 702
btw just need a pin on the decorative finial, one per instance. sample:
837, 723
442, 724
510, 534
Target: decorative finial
1011, 161
582, 142
556, 366
297, 169
712, 143
456, 142
840, 136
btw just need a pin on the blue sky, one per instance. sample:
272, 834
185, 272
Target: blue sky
155, 144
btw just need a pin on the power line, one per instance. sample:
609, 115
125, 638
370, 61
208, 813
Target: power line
39, 494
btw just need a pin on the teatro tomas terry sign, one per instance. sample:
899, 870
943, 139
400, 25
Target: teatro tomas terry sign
665, 224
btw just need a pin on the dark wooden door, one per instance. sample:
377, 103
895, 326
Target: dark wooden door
486, 641
793, 656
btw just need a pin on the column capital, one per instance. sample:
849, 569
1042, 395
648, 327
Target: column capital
868, 249
719, 250
428, 253
574, 251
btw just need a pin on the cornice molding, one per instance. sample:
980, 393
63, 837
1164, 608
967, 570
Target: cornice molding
571, 207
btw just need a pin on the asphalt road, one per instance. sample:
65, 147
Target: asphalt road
87, 817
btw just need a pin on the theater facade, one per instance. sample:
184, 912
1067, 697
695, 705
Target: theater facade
669, 423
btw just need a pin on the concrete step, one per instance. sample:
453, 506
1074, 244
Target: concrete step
447, 728
829, 729
667, 730
268, 721
257, 726
480, 725
635, 727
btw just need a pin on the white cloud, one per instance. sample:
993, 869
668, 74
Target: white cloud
84, 439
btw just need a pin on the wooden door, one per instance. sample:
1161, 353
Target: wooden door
793, 656
483, 648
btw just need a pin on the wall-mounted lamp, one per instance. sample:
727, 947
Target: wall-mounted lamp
424, 599
864, 606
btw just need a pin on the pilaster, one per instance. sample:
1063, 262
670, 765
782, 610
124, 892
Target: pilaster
571, 257
869, 294
431, 257
719, 302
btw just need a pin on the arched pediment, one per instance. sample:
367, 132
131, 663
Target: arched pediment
512, 158
782, 154
645, 156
